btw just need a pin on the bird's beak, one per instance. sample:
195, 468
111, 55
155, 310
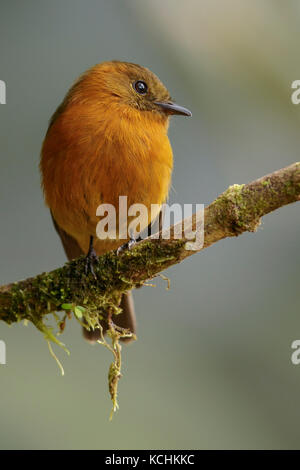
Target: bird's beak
173, 108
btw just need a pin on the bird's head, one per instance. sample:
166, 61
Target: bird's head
127, 84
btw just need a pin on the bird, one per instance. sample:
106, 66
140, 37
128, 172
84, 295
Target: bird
108, 137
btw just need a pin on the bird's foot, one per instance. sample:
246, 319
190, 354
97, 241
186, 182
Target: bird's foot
128, 245
90, 260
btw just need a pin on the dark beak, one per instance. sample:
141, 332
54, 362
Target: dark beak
173, 108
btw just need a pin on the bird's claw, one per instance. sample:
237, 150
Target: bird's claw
127, 246
90, 259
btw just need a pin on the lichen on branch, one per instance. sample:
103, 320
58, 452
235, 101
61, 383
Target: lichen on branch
237, 210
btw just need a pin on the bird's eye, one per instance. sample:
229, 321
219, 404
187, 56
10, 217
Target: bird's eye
140, 87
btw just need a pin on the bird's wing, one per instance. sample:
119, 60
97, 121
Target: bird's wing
71, 247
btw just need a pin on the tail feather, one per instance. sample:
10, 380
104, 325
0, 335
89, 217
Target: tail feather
126, 320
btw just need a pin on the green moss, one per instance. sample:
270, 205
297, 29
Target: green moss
232, 210
290, 188
69, 290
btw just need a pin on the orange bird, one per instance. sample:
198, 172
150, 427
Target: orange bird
107, 138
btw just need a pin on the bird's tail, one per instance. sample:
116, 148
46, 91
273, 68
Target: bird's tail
125, 319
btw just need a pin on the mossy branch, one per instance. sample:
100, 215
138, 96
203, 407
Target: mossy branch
68, 289
237, 210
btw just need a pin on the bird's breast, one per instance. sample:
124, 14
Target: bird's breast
86, 163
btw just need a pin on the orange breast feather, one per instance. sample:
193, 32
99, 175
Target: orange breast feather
93, 155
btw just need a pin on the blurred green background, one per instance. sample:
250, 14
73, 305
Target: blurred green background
211, 367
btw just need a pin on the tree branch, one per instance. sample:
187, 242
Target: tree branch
237, 210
